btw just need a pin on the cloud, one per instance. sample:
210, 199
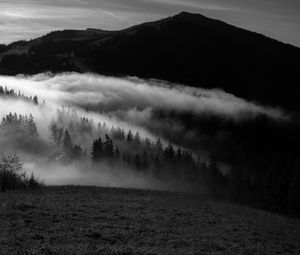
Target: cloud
103, 175
156, 109
127, 93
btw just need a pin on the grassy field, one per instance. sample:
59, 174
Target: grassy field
87, 220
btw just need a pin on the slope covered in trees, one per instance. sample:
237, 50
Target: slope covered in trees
11, 93
269, 178
261, 153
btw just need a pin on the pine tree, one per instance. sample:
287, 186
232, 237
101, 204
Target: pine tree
56, 134
109, 147
137, 138
67, 142
32, 127
35, 100
97, 150
129, 136
169, 152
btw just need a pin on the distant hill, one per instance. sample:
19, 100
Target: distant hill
187, 48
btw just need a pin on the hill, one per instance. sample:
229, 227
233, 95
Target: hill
187, 48
86, 220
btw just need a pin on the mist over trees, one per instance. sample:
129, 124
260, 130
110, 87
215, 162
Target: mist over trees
19, 131
272, 183
261, 154
11, 93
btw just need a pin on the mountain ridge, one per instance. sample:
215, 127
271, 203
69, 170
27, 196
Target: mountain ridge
187, 48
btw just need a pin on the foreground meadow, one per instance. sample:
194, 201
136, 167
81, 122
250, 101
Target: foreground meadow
88, 220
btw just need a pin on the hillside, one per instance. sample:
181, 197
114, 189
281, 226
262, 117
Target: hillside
82, 220
187, 48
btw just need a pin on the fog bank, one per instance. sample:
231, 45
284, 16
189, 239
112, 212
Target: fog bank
155, 109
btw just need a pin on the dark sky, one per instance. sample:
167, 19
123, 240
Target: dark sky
25, 19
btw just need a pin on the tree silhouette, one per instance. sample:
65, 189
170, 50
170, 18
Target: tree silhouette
97, 150
56, 134
129, 136
67, 142
137, 138
35, 100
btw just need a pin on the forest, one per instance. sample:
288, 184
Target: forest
11, 93
264, 172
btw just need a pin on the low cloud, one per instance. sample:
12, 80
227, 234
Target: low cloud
156, 109
85, 90
103, 175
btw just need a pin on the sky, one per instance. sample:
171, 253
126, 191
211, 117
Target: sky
27, 19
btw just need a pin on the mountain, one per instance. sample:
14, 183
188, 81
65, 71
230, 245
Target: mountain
187, 48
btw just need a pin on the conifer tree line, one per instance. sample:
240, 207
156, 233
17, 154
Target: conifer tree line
19, 125
11, 93
276, 186
80, 137
19, 132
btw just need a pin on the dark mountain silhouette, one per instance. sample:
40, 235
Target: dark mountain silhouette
187, 48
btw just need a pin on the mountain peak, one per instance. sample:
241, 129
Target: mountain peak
184, 13
188, 15
191, 17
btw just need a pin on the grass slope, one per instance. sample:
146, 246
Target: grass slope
86, 220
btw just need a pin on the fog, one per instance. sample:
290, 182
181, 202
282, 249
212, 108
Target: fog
153, 108
130, 99
104, 176
114, 93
